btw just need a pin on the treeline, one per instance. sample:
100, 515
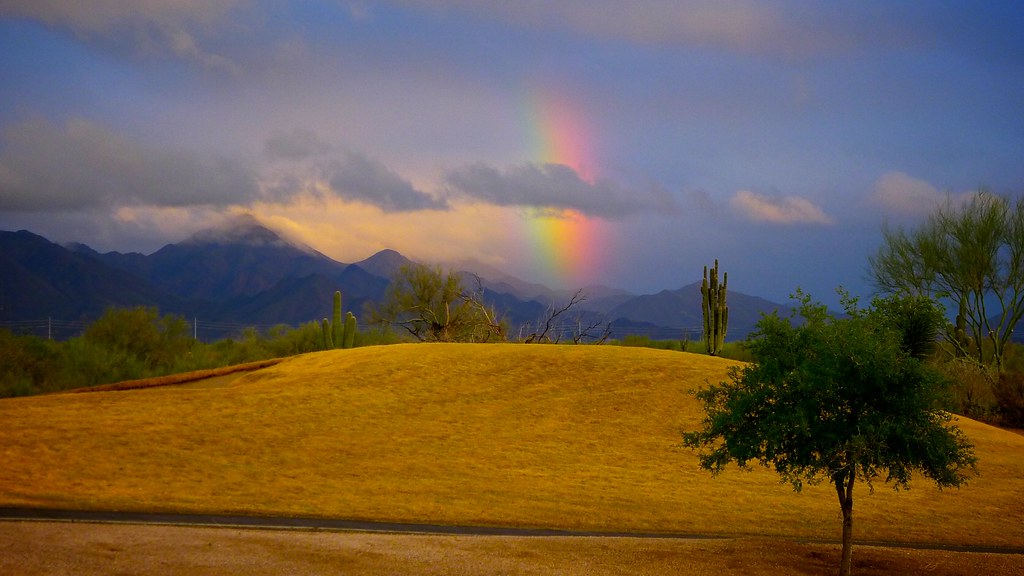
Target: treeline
128, 344
131, 343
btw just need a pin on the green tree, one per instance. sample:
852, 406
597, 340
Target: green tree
433, 306
971, 257
143, 335
832, 400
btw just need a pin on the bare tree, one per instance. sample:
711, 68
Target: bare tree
490, 325
551, 329
596, 330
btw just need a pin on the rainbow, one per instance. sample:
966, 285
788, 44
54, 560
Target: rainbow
567, 246
561, 134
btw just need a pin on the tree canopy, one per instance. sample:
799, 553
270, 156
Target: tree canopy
833, 400
433, 306
971, 256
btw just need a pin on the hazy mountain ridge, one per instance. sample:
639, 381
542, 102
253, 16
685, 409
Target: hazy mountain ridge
41, 279
681, 307
248, 274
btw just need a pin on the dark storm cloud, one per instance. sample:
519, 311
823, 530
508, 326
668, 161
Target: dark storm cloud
81, 165
295, 145
551, 186
356, 177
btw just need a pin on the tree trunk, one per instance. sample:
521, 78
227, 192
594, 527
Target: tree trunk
844, 489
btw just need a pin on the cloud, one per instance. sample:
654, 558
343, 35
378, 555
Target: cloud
299, 144
743, 26
778, 210
81, 165
548, 186
478, 231
905, 195
902, 195
146, 27
85, 166
304, 164
356, 177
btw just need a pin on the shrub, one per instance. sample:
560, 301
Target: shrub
1009, 394
736, 351
970, 391
1013, 357
917, 319
28, 364
140, 333
641, 341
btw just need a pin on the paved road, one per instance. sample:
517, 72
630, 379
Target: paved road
300, 523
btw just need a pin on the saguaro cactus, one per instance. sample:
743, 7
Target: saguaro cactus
714, 310
349, 338
961, 339
328, 340
337, 328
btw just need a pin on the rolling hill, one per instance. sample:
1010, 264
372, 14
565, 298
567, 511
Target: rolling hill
578, 437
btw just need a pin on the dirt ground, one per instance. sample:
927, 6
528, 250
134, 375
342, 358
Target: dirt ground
37, 548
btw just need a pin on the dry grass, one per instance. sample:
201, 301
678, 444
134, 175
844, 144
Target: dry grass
578, 437
100, 549
182, 378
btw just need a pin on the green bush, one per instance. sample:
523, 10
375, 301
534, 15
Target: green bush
132, 343
970, 392
85, 362
143, 335
1013, 358
28, 365
736, 351
641, 341
1009, 394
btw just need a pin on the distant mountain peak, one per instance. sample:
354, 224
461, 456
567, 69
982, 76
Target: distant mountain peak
384, 263
247, 230
240, 229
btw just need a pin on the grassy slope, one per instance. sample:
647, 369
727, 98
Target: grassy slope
554, 436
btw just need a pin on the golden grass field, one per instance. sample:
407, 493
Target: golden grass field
575, 437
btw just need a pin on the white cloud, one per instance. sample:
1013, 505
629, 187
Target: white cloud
904, 195
778, 209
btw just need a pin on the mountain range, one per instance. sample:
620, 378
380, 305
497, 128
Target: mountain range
245, 274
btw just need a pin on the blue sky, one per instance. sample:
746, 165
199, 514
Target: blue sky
570, 143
